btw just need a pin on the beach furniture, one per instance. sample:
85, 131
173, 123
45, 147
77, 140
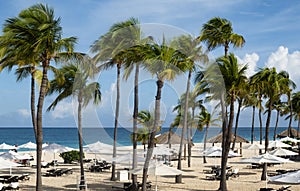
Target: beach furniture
12, 186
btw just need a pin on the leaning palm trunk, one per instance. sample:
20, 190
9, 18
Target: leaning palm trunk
260, 129
226, 147
32, 103
178, 178
224, 132
237, 123
252, 128
264, 172
113, 170
160, 84
135, 115
205, 140
276, 125
39, 131
82, 179
291, 115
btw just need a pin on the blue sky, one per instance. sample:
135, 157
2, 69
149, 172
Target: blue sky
271, 30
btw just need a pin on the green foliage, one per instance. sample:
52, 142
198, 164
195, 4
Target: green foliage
70, 156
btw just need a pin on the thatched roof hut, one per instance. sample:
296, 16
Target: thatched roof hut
293, 134
218, 139
175, 139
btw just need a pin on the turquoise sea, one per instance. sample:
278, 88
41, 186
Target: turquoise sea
69, 136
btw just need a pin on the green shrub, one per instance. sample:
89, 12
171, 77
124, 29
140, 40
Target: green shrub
70, 156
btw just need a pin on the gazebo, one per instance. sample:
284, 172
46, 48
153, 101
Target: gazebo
218, 139
293, 134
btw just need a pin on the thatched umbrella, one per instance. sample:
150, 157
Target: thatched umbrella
218, 139
285, 133
174, 139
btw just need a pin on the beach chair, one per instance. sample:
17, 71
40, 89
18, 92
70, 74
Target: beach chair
67, 171
23, 177
234, 173
11, 179
284, 188
13, 186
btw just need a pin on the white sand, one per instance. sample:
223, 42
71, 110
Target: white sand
193, 178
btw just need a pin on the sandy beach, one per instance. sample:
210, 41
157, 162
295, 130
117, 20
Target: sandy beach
193, 177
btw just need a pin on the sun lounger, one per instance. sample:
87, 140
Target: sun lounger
284, 188
23, 177
67, 171
11, 179
12, 186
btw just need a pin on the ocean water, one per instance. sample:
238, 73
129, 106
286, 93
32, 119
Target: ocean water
69, 136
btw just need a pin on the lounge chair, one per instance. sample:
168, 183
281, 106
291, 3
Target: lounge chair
23, 177
284, 188
11, 179
67, 171
234, 173
45, 164
12, 186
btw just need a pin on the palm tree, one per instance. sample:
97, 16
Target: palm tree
278, 106
162, 61
189, 47
233, 76
37, 34
274, 85
218, 32
205, 119
109, 48
72, 80
296, 108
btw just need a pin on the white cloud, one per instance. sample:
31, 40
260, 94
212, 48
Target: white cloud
281, 59
24, 112
251, 60
62, 110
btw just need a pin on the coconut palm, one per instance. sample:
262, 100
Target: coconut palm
109, 48
164, 62
233, 76
274, 85
72, 80
191, 48
218, 32
36, 34
296, 108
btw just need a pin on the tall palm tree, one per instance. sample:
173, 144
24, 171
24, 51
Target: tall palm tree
109, 48
274, 85
162, 61
191, 48
296, 108
72, 80
233, 76
218, 32
278, 106
36, 33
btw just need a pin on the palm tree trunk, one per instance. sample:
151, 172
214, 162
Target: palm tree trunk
260, 129
135, 116
32, 104
291, 114
82, 178
159, 84
226, 147
264, 172
113, 169
237, 123
224, 131
39, 132
178, 178
253, 120
276, 125
298, 129
205, 140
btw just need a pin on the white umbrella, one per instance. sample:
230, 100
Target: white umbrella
160, 150
254, 146
217, 152
278, 144
282, 152
29, 145
289, 178
7, 164
158, 169
56, 148
97, 147
5, 146
289, 139
265, 158
11, 155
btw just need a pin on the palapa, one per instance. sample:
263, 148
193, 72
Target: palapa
293, 134
174, 139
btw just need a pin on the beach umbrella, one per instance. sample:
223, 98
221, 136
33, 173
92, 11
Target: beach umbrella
97, 147
289, 139
254, 146
160, 150
289, 178
217, 152
157, 169
282, 152
127, 158
29, 145
11, 155
56, 148
278, 144
265, 158
8, 164
5, 146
